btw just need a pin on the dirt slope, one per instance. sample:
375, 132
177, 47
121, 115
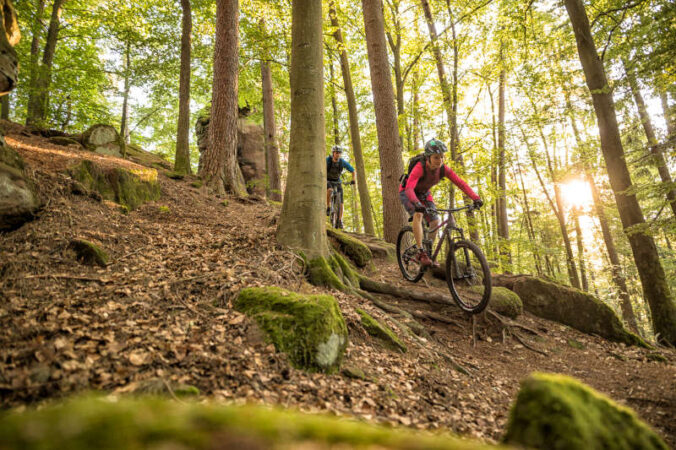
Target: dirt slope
161, 310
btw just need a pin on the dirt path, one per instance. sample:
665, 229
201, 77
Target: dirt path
161, 310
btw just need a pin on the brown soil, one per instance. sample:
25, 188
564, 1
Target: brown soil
161, 309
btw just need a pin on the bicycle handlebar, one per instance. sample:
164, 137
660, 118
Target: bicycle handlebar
469, 207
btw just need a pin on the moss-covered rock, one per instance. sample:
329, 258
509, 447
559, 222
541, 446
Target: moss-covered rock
356, 250
146, 158
89, 253
128, 188
568, 306
104, 139
308, 328
19, 201
381, 331
156, 423
556, 411
160, 387
504, 301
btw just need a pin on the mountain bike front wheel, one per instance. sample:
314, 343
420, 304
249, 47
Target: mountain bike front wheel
335, 210
407, 255
468, 276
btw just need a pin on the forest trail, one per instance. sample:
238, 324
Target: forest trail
161, 310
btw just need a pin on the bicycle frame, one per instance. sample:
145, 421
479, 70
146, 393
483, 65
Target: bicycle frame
449, 226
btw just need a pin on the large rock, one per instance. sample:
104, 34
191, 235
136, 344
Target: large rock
104, 139
559, 412
310, 329
9, 37
568, 306
250, 150
127, 188
505, 302
19, 200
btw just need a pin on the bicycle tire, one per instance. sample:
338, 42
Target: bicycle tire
470, 292
405, 255
335, 210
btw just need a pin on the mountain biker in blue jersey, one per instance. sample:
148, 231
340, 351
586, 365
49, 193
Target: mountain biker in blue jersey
334, 167
414, 192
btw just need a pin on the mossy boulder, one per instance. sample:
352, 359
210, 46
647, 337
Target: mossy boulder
568, 306
104, 139
505, 302
89, 253
381, 331
158, 423
19, 200
556, 411
356, 250
310, 329
129, 188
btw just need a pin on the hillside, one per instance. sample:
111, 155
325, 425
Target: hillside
160, 314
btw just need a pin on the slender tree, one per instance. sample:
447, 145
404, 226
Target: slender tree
36, 31
653, 279
302, 223
124, 121
355, 137
389, 143
270, 129
503, 224
220, 170
182, 160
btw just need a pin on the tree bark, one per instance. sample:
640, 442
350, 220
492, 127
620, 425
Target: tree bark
655, 150
40, 103
182, 160
36, 31
302, 224
220, 170
651, 272
355, 137
669, 118
270, 129
124, 127
580, 250
334, 105
389, 143
503, 225
529, 223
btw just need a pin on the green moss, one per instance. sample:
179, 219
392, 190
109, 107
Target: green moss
656, 357
89, 253
88, 423
160, 387
225, 203
128, 188
164, 209
355, 373
381, 331
356, 250
350, 275
503, 301
321, 273
197, 184
308, 328
576, 344
556, 411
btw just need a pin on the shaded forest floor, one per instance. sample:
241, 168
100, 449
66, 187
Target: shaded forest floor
161, 310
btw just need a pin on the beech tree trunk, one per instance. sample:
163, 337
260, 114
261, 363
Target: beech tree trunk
389, 143
355, 137
36, 31
653, 279
334, 105
182, 160
580, 250
669, 119
220, 170
655, 150
124, 127
270, 130
302, 223
503, 225
39, 97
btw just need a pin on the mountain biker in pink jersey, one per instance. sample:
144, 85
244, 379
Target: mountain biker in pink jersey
415, 195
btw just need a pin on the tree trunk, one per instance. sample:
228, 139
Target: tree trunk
355, 138
529, 223
36, 31
334, 105
270, 129
302, 224
182, 160
669, 119
220, 170
580, 250
655, 150
40, 104
651, 272
389, 143
124, 127
503, 225
417, 135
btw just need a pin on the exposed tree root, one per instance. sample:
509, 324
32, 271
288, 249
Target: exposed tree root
410, 294
507, 322
527, 345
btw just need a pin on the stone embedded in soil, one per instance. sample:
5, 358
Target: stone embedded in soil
103, 139
89, 253
505, 302
310, 329
19, 201
556, 411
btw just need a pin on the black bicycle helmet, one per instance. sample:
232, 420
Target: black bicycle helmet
337, 148
434, 146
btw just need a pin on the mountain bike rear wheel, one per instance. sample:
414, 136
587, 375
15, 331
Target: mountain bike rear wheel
468, 276
407, 255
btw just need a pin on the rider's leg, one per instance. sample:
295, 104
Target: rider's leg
417, 228
328, 197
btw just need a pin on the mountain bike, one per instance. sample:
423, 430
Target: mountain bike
467, 273
334, 202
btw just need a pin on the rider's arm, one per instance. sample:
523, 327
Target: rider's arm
415, 175
464, 187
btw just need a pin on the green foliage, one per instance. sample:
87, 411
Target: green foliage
308, 328
556, 411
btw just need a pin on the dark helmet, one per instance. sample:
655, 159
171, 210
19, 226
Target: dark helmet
337, 148
434, 146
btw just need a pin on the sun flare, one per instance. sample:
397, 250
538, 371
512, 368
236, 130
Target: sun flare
576, 193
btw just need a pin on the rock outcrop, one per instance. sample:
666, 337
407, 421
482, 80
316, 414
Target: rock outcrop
19, 201
104, 139
568, 306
